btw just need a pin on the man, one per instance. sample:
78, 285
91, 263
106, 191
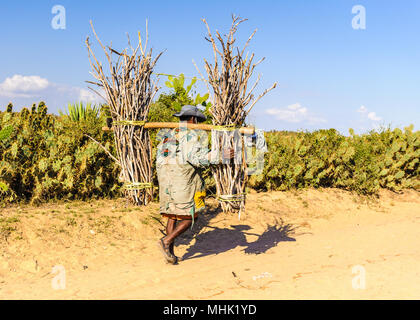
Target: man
180, 158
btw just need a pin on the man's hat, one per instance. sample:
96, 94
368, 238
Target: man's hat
191, 111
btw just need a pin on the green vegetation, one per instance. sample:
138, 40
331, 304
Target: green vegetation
79, 112
4, 134
43, 156
363, 163
49, 157
167, 104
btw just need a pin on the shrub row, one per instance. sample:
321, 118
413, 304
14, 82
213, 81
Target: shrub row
363, 163
51, 157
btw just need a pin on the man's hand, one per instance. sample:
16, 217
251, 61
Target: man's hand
228, 153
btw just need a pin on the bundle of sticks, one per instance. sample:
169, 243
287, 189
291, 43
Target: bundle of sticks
128, 89
232, 99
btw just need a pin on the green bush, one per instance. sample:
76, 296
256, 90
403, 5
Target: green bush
80, 112
4, 134
167, 104
363, 163
49, 157
43, 157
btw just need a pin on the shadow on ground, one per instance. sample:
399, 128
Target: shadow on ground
220, 240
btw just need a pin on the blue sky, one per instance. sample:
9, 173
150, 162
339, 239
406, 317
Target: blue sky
329, 75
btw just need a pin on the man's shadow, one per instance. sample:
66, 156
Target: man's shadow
220, 240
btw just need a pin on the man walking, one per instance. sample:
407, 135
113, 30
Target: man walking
181, 156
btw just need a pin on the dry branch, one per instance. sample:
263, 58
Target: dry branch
228, 76
129, 90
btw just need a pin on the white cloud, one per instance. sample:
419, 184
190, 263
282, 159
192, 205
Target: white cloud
26, 90
76, 94
370, 115
294, 113
362, 109
23, 86
86, 95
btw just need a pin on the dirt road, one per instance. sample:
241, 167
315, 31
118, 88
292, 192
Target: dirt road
312, 244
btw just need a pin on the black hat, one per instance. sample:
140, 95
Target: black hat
189, 110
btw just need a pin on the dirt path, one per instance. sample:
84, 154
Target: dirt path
295, 245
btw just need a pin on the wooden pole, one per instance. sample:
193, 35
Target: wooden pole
199, 126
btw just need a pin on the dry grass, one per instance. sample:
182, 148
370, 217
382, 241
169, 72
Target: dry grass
77, 234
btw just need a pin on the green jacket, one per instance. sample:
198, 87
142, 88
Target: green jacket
180, 158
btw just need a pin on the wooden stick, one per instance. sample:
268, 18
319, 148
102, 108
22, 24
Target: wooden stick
129, 90
198, 126
105, 149
228, 77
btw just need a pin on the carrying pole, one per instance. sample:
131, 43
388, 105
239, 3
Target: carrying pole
198, 126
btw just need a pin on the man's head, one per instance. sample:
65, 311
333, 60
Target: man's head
188, 119
190, 114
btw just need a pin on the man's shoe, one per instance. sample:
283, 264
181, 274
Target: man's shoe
171, 258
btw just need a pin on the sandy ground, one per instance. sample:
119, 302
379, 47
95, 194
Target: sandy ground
310, 244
